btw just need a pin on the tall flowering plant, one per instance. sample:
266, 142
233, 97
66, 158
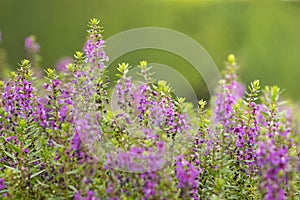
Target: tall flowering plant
70, 140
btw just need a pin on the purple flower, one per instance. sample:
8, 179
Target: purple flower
94, 52
76, 142
56, 82
149, 185
20, 100
186, 173
110, 188
31, 45
90, 195
62, 64
28, 42
2, 184
77, 196
87, 180
228, 95
125, 92
41, 115
63, 112
273, 162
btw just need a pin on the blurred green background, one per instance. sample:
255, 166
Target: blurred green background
265, 36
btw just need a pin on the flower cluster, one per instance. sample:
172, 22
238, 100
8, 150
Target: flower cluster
186, 175
32, 49
230, 91
70, 140
93, 48
31, 45
274, 163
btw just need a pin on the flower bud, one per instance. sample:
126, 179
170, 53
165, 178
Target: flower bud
231, 59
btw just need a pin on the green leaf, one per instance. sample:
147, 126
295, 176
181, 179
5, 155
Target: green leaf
38, 173
75, 171
11, 168
3, 191
9, 155
72, 188
13, 147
